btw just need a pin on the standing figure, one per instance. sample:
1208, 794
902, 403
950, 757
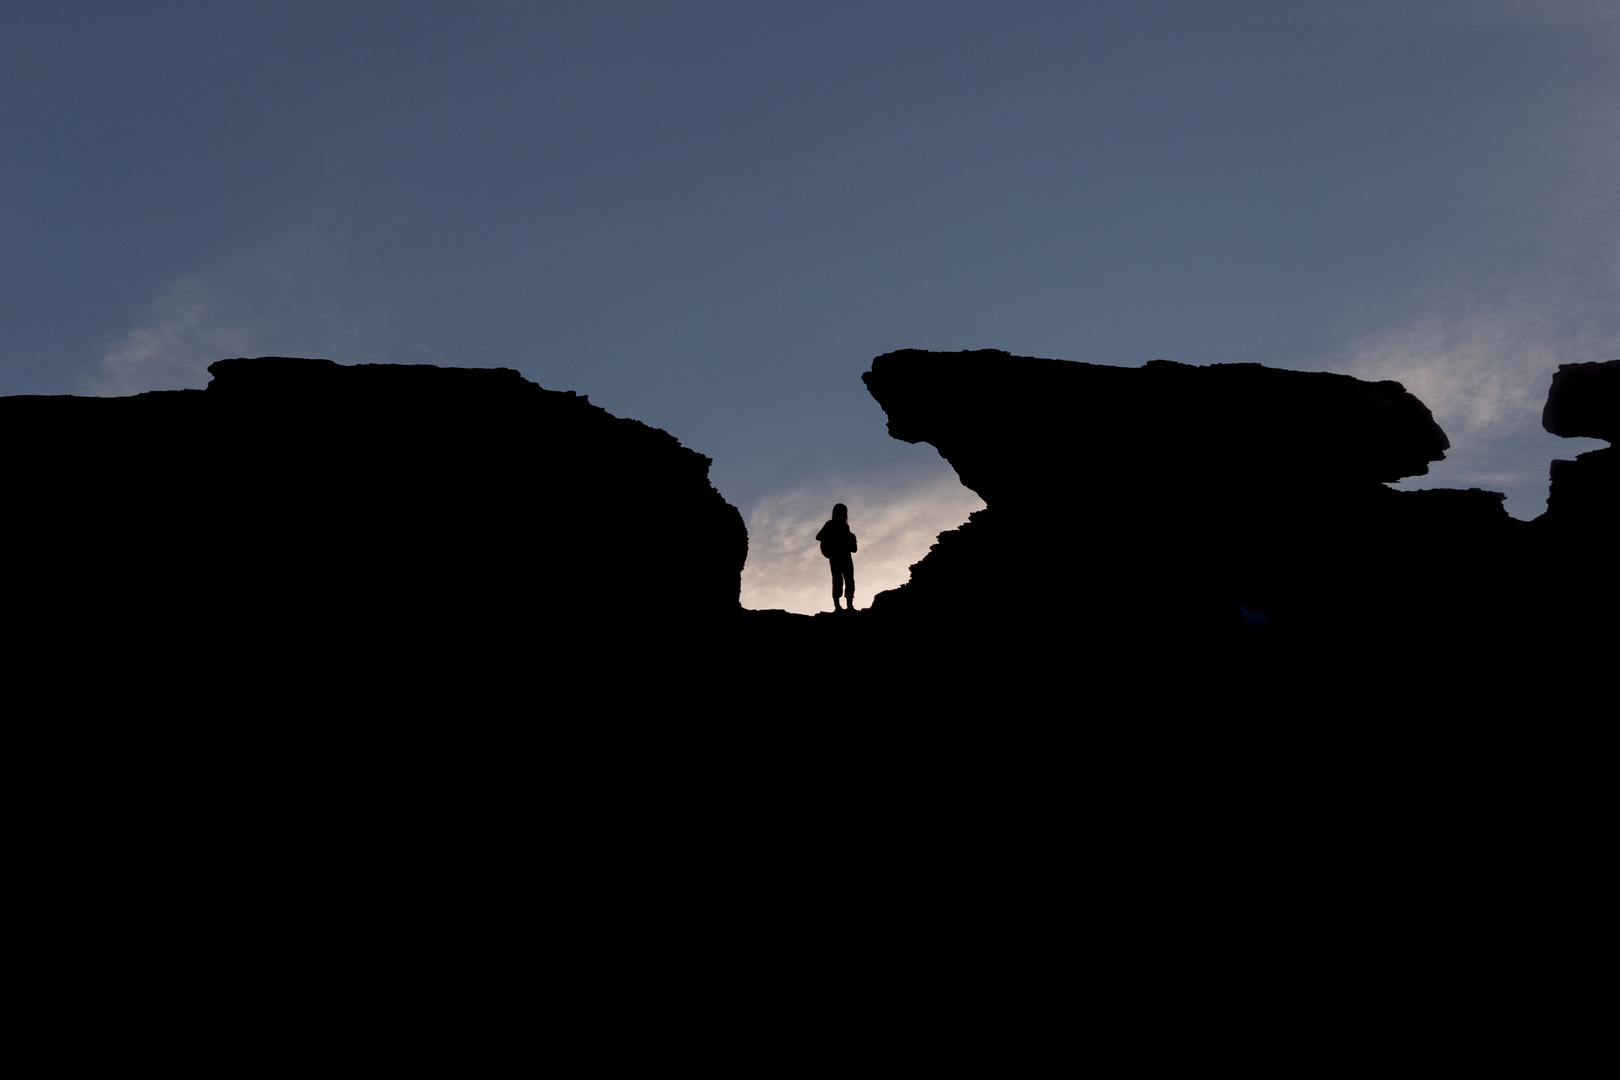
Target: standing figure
838, 544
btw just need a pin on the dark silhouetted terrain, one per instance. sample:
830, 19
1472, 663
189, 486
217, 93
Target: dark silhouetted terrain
413, 708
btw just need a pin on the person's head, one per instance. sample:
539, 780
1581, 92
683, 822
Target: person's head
840, 512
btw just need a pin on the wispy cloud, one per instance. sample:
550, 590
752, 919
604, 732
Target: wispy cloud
1482, 362
171, 350
895, 527
280, 298
1483, 370
1482, 354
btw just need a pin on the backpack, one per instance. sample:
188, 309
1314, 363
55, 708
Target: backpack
830, 546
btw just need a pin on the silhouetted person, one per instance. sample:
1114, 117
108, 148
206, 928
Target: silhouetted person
838, 544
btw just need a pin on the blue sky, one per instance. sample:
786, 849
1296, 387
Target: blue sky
711, 216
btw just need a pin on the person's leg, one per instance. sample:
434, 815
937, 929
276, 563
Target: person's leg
837, 583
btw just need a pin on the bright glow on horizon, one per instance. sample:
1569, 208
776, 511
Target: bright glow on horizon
894, 528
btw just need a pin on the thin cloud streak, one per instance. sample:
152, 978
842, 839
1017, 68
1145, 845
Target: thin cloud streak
895, 528
1483, 363
283, 297
181, 336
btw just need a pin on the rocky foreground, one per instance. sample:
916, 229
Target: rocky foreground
411, 711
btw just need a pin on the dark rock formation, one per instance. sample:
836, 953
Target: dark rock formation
1585, 494
299, 508
1241, 691
1584, 400
1009, 420
1170, 500
1577, 579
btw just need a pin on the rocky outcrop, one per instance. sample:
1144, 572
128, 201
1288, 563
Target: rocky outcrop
1584, 400
444, 623
1576, 571
1006, 423
300, 505
1171, 499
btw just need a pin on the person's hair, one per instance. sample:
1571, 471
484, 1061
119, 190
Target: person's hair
840, 512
